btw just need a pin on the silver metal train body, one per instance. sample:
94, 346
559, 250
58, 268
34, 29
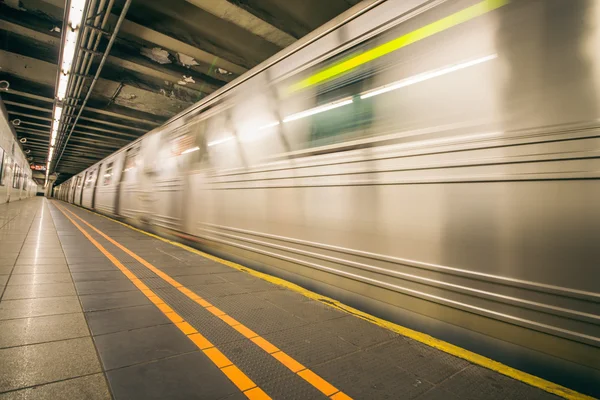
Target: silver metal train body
16, 181
434, 162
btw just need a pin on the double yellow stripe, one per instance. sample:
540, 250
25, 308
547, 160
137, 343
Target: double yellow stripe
239, 379
419, 34
220, 359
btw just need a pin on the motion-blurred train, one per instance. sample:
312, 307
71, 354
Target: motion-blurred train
432, 162
16, 180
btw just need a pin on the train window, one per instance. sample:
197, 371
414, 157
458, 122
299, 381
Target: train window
131, 159
108, 173
90, 179
1, 166
16, 176
412, 92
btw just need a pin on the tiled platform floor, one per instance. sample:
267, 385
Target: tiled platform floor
73, 325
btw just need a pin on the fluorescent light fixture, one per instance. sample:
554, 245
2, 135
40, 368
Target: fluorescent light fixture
269, 125
76, 13
63, 82
425, 76
69, 50
219, 141
51, 153
57, 113
55, 125
317, 110
191, 150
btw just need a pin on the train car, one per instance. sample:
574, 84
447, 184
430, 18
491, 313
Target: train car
432, 162
16, 180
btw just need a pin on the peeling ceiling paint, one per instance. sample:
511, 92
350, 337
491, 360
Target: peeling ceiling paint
156, 54
186, 80
186, 61
223, 71
16, 4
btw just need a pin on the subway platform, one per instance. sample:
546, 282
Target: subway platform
93, 309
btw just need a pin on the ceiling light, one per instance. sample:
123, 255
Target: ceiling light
191, 150
76, 13
219, 141
63, 82
69, 50
57, 113
425, 76
317, 110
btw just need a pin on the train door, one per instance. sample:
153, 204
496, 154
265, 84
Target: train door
3, 185
82, 185
88, 188
146, 177
96, 186
128, 190
178, 150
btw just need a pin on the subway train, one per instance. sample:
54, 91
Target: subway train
435, 163
16, 182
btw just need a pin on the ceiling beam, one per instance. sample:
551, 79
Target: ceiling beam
245, 20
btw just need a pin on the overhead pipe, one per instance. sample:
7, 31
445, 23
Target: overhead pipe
97, 75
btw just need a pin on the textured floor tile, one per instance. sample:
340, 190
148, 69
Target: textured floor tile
36, 364
34, 279
124, 319
24, 331
107, 301
357, 331
310, 345
96, 287
91, 387
38, 291
426, 362
189, 376
480, 383
126, 348
40, 269
97, 276
37, 307
364, 376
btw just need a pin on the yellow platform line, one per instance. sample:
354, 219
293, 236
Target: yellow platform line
309, 376
239, 379
428, 340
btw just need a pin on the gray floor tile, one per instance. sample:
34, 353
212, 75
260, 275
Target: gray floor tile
312, 311
47, 362
108, 301
124, 319
97, 276
423, 361
40, 269
34, 279
94, 266
24, 331
126, 348
480, 383
3, 279
357, 331
363, 376
10, 309
41, 261
293, 388
183, 377
310, 345
37, 291
91, 387
97, 287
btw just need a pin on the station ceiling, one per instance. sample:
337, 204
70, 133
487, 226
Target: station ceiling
167, 56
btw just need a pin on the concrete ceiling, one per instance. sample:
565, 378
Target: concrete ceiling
167, 56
